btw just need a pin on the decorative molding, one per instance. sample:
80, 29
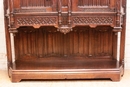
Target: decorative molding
93, 20
34, 20
13, 30
29, 10
99, 10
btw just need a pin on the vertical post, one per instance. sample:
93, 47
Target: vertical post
74, 4
122, 43
112, 3
54, 7
59, 11
7, 35
11, 13
118, 9
69, 12
115, 41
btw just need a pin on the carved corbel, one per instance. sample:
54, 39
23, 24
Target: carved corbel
117, 29
13, 30
65, 30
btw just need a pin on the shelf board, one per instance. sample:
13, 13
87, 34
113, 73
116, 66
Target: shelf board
65, 64
65, 68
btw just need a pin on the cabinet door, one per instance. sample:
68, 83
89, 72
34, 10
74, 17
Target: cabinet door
93, 5
34, 5
53, 5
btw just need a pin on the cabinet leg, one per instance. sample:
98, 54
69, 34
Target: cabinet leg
15, 80
115, 79
122, 73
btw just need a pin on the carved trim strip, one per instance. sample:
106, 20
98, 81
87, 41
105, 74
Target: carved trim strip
93, 20
30, 21
99, 10
29, 10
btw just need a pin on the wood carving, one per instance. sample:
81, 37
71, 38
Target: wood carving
94, 2
98, 10
65, 39
32, 21
33, 3
93, 20
29, 10
65, 29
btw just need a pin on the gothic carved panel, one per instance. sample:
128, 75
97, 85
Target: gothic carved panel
36, 20
34, 3
94, 2
93, 20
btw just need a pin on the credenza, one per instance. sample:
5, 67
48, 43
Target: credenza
65, 39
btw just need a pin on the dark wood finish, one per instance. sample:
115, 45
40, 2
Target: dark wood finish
65, 68
65, 39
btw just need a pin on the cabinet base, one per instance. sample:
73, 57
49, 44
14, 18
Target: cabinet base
66, 69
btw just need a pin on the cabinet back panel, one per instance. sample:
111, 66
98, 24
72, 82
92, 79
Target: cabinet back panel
47, 42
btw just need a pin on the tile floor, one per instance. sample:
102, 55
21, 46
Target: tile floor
5, 81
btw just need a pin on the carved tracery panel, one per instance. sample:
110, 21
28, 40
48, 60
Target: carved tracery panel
35, 3
94, 2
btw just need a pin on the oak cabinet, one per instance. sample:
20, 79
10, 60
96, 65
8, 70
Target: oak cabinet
65, 39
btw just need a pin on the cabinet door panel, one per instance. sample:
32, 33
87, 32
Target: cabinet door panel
93, 5
34, 5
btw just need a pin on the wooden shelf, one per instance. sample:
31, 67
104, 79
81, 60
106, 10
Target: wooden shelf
65, 63
65, 68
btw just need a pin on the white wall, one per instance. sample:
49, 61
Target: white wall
2, 39
127, 48
2, 34
3, 45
